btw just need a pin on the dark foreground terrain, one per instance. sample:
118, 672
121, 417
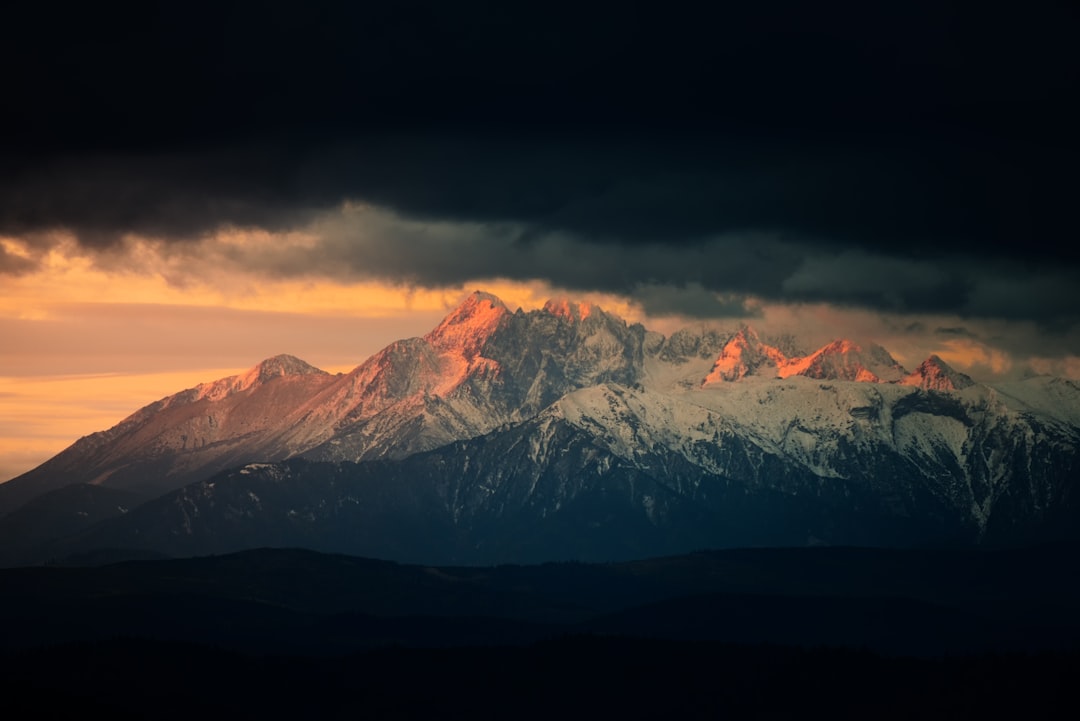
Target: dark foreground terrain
821, 633
571, 677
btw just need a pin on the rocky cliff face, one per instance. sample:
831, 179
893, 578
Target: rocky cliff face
935, 374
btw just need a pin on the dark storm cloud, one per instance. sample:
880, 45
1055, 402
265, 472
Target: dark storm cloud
178, 196
691, 300
954, 331
369, 242
890, 157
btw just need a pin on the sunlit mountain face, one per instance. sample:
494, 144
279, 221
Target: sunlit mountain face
566, 433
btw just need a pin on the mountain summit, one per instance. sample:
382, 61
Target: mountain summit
276, 367
469, 326
937, 375
745, 354
848, 361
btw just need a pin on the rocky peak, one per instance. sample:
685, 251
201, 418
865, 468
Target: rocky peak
744, 354
262, 372
691, 342
282, 365
937, 375
845, 359
469, 325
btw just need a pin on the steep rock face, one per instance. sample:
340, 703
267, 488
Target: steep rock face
745, 354
466, 330
934, 374
550, 352
686, 344
383, 406
679, 362
846, 360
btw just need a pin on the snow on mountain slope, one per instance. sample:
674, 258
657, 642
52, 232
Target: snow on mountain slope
801, 419
630, 423
1043, 396
680, 362
463, 333
615, 471
969, 451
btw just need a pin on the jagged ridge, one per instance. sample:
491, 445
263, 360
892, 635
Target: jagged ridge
678, 415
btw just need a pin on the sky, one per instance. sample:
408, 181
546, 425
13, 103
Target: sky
188, 189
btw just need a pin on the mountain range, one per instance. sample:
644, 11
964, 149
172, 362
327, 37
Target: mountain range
566, 433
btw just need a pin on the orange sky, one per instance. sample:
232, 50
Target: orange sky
89, 340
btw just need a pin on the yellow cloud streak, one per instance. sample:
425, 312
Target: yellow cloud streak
68, 277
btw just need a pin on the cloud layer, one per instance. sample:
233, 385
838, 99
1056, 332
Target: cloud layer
916, 159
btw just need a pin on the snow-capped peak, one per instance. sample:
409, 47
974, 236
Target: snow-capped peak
937, 375
469, 325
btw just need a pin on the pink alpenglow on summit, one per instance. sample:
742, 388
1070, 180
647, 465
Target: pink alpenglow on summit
746, 355
936, 375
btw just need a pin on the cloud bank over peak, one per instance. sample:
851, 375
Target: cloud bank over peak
719, 276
